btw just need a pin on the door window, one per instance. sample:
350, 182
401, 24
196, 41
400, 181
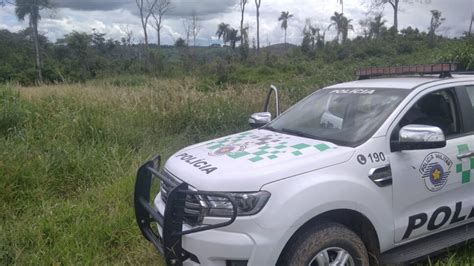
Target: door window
438, 109
470, 92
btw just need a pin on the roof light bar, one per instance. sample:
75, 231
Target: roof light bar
443, 68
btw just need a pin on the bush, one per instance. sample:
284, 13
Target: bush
462, 53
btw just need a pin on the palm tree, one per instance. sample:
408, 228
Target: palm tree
337, 22
346, 26
375, 26
222, 32
232, 37
284, 20
342, 24
31, 8
314, 35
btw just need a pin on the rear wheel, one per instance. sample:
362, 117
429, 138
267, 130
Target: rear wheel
326, 244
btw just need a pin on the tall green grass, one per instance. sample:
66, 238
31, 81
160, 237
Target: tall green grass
68, 156
69, 153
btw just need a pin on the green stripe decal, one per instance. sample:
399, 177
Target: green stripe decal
322, 147
458, 168
465, 167
300, 146
255, 147
235, 155
466, 177
255, 159
463, 148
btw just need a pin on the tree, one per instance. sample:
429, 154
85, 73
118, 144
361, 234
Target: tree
79, 46
312, 36
31, 8
244, 35
242, 12
222, 32
337, 23
436, 21
161, 8
228, 34
284, 17
257, 5
394, 4
342, 25
128, 39
233, 37
180, 43
195, 27
346, 26
376, 26
244, 40
187, 29
145, 8
342, 5
365, 27
470, 25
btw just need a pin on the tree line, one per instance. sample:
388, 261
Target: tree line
92, 52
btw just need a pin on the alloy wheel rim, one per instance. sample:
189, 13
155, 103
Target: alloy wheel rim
333, 256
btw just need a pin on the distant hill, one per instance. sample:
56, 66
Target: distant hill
280, 47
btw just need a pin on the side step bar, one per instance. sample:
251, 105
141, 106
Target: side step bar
419, 249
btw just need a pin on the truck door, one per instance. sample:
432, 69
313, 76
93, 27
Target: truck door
432, 189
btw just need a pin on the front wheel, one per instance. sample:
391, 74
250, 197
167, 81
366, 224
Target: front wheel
326, 244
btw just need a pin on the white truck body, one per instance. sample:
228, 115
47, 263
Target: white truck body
430, 190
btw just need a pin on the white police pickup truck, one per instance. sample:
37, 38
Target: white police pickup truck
374, 171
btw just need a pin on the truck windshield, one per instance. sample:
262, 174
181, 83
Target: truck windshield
345, 117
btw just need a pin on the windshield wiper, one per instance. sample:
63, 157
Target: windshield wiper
297, 133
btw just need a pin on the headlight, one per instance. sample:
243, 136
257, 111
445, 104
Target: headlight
247, 204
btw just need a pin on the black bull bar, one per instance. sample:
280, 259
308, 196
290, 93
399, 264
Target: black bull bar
169, 243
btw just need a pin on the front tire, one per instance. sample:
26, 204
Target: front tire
326, 244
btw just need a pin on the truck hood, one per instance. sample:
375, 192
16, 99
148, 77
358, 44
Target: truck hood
246, 161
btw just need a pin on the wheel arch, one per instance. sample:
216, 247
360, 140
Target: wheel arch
354, 220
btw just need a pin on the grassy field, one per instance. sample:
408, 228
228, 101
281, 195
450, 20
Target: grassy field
68, 156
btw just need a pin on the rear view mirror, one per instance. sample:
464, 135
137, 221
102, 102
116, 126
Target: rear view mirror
260, 119
419, 137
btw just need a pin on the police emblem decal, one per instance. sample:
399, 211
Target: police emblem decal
228, 149
435, 170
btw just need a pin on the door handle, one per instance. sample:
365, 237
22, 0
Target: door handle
381, 176
465, 155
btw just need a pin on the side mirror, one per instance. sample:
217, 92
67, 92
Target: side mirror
419, 137
272, 89
260, 119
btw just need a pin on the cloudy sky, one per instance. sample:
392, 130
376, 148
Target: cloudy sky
115, 17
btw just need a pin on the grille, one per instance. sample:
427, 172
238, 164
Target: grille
194, 208
166, 188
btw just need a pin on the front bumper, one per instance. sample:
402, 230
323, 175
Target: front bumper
169, 242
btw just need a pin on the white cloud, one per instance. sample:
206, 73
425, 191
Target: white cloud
85, 15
